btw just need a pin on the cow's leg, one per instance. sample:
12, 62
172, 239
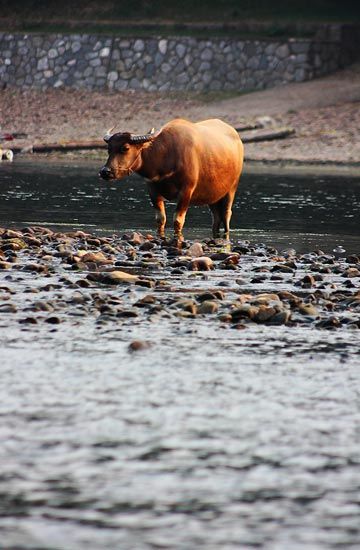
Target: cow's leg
216, 219
225, 206
160, 217
180, 213
160, 214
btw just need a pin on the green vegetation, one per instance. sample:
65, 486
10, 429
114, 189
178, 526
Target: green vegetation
181, 11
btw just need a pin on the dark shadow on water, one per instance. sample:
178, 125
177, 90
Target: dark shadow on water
300, 211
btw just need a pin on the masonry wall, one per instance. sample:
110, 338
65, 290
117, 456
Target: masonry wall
160, 64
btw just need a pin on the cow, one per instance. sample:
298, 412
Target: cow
190, 163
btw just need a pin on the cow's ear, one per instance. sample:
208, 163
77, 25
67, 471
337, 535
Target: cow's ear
152, 131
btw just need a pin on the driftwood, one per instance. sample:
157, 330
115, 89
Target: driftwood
248, 137
267, 134
64, 146
247, 126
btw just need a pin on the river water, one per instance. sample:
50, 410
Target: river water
296, 209
212, 438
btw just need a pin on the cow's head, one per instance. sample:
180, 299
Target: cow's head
124, 154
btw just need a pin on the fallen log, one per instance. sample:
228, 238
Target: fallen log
247, 126
267, 134
63, 146
248, 137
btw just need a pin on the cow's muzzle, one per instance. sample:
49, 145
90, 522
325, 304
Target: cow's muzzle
106, 173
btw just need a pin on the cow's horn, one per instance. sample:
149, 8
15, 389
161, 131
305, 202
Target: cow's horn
142, 138
108, 134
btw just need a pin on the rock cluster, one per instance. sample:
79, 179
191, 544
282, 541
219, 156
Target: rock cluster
56, 277
161, 64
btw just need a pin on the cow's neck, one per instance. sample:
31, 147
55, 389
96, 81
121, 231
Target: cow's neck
155, 162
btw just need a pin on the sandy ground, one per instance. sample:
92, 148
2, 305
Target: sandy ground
325, 114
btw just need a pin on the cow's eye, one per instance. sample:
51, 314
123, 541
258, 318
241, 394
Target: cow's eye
123, 149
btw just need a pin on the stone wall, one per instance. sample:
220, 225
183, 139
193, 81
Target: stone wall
176, 63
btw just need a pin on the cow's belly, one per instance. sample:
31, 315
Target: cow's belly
166, 189
207, 196
211, 192
205, 192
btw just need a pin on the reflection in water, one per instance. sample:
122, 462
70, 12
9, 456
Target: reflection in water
301, 211
213, 438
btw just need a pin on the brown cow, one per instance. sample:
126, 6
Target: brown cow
192, 163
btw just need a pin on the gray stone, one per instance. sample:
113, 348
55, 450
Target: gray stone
163, 43
97, 46
112, 76
206, 54
165, 68
182, 78
42, 65
299, 47
233, 76
176, 63
180, 50
164, 87
215, 85
300, 75
135, 84
121, 85
139, 46
188, 60
104, 52
100, 71
75, 47
282, 51
149, 70
207, 77
205, 66
91, 55
95, 62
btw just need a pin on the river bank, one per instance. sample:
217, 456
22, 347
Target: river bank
324, 113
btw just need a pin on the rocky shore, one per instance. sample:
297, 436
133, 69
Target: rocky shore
61, 278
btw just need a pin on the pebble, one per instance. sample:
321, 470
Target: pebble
196, 250
127, 313
308, 281
186, 305
28, 321
8, 308
351, 272
203, 263
264, 314
53, 320
281, 318
208, 307
309, 310
139, 345
112, 277
331, 283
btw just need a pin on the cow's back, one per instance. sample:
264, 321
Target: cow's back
209, 153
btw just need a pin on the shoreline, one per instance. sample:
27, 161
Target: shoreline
347, 168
